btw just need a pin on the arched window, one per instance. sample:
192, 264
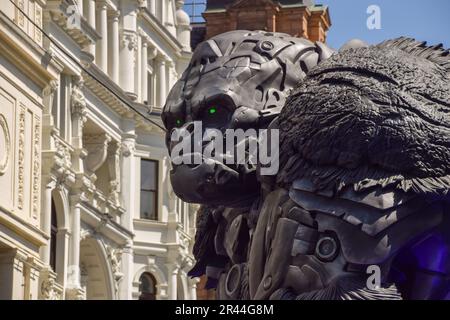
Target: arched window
147, 287
53, 231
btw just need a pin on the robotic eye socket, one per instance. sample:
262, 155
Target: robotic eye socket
212, 110
216, 116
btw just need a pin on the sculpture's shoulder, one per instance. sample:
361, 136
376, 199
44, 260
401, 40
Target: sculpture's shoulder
371, 115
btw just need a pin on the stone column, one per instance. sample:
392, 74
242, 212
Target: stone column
74, 248
78, 109
193, 288
91, 20
161, 80
114, 172
126, 284
138, 69
171, 75
163, 11
151, 91
46, 214
62, 239
128, 46
128, 172
172, 280
152, 6
144, 72
102, 29
113, 46
80, 7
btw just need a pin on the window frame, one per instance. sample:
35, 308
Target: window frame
53, 236
152, 280
155, 191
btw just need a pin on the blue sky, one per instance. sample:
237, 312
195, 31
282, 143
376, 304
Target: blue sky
426, 20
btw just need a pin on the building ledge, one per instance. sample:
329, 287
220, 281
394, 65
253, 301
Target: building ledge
23, 228
14, 44
166, 36
102, 223
83, 34
114, 96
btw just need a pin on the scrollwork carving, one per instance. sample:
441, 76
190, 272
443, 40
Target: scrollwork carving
36, 165
21, 160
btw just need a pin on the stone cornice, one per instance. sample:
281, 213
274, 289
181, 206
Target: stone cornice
23, 228
108, 95
162, 31
13, 41
82, 35
104, 224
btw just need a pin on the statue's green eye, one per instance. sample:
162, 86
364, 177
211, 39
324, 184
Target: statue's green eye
212, 110
178, 122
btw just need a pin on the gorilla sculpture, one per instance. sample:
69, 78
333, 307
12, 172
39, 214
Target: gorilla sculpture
364, 177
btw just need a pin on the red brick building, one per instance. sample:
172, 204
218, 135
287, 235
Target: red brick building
300, 18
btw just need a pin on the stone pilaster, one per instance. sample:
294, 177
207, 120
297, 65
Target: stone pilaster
113, 46
102, 29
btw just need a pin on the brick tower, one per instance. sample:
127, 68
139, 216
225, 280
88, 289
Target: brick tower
300, 18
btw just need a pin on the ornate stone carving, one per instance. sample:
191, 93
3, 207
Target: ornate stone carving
128, 148
114, 171
49, 291
21, 160
75, 294
97, 147
86, 233
50, 88
63, 153
48, 95
142, 3
77, 99
5, 141
36, 166
38, 21
129, 40
115, 258
20, 18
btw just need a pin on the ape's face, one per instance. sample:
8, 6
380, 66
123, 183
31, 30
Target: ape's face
232, 82
211, 181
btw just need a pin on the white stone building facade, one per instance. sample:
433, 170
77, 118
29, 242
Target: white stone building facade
86, 206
